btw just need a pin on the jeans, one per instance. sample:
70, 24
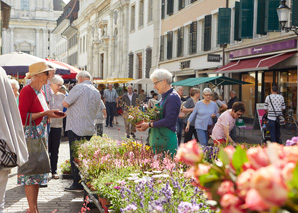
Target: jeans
54, 144
188, 135
274, 131
202, 136
111, 108
179, 130
72, 137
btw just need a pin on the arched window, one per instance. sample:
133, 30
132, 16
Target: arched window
24, 4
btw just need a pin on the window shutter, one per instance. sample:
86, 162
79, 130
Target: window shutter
181, 4
130, 65
163, 9
224, 25
207, 33
162, 44
193, 38
148, 61
272, 23
261, 17
237, 22
192, 1
295, 12
169, 45
180, 41
246, 18
170, 7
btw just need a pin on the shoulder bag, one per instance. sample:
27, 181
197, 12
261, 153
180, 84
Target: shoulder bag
38, 162
279, 118
8, 159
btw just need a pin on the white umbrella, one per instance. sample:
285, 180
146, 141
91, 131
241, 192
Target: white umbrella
17, 63
141, 81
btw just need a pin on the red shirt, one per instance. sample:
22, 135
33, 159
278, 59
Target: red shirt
29, 102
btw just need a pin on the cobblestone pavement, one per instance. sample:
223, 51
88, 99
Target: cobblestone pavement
54, 198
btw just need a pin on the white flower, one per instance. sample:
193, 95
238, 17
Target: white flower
158, 172
134, 174
160, 176
132, 178
148, 173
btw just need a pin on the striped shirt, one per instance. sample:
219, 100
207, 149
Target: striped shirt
48, 93
278, 103
110, 96
84, 100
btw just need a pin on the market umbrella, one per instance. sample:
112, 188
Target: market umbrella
17, 63
73, 70
141, 81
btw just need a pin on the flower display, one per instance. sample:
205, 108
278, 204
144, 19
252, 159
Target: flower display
65, 167
136, 114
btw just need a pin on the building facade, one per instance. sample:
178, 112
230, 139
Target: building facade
31, 23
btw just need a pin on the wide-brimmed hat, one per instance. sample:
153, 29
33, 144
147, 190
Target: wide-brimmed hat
38, 68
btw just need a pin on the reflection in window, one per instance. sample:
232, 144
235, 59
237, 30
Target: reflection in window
248, 94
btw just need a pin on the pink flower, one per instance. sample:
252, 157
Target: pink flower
230, 151
243, 182
291, 154
190, 153
168, 164
287, 171
257, 157
254, 201
202, 169
231, 204
155, 165
269, 184
226, 187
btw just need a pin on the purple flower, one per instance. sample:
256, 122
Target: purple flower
117, 187
131, 207
159, 208
293, 141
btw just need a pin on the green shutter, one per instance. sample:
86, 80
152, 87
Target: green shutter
246, 18
170, 7
295, 12
224, 25
261, 17
237, 21
207, 33
272, 23
169, 45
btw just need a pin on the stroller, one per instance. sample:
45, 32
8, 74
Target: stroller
265, 129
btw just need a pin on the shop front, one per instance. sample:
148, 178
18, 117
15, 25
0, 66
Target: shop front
264, 66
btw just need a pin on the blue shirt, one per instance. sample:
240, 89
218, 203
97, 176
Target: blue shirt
202, 114
110, 96
171, 108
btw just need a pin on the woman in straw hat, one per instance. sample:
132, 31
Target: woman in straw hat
32, 100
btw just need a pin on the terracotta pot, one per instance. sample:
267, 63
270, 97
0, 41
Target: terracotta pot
104, 203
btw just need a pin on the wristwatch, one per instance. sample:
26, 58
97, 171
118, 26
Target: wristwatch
150, 124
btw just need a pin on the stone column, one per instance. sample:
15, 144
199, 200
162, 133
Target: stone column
4, 41
111, 67
12, 49
45, 42
105, 63
125, 24
37, 42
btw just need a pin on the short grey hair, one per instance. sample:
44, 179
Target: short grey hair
15, 82
207, 90
129, 86
233, 92
84, 74
161, 74
178, 88
57, 79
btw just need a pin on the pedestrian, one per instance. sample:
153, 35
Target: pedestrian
83, 104
203, 113
112, 102
230, 104
15, 88
180, 124
142, 97
152, 93
162, 133
12, 133
220, 104
153, 101
100, 116
32, 100
63, 90
129, 100
188, 108
274, 105
56, 124
226, 122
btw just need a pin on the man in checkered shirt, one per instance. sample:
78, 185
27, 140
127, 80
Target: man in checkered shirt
278, 103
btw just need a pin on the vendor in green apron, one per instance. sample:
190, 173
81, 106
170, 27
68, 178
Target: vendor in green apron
162, 133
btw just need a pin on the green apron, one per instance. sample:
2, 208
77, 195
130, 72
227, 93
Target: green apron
161, 139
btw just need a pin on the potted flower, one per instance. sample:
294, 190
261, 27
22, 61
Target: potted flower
66, 170
135, 115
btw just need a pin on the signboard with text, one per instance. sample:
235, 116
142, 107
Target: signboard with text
260, 107
213, 58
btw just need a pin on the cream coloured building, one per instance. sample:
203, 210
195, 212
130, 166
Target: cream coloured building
31, 23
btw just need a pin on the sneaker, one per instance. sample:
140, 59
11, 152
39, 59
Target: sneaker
106, 126
73, 189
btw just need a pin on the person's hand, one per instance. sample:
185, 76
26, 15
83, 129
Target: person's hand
213, 115
51, 113
142, 127
187, 128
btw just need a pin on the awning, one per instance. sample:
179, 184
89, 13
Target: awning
255, 64
216, 81
112, 80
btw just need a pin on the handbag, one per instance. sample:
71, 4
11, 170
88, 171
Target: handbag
38, 162
279, 118
8, 159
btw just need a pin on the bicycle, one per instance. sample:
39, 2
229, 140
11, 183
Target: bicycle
291, 126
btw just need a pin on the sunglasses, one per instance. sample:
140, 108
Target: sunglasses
47, 73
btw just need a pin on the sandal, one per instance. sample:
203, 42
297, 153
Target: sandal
55, 176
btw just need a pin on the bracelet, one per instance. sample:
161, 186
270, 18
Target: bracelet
150, 124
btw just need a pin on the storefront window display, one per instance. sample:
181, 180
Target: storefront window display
288, 88
248, 94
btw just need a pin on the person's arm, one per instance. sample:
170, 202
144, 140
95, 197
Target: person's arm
266, 105
187, 110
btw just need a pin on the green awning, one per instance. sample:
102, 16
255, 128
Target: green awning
216, 81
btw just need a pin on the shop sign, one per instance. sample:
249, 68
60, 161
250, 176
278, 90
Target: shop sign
260, 107
184, 64
283, 45
213, 58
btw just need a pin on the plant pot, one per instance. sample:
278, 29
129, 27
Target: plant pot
104, 203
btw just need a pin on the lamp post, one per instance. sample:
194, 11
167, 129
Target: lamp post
283, 12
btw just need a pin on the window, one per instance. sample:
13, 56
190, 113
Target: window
181, 4
193, 38
24, 4
191, 1
133, 16
162, 45
207, 33
148, 61
130, 65
237, 22
150, 10
169, 45
180, 41
141, 13
163, 7
170, 7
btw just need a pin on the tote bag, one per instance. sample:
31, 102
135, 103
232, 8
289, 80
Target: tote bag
38, 162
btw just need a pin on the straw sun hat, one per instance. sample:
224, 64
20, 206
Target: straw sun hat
38, 68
